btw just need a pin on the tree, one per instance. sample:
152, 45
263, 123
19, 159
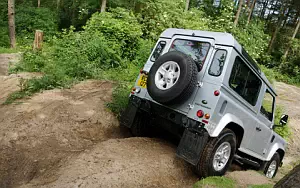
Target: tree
292, 179
39, 3
294, 35
187, 5
278, 27
238, 13
103, 6
11, 23
251, 12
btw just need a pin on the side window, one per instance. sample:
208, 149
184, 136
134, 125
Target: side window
217, 64
244, 82
267, 107
158, 50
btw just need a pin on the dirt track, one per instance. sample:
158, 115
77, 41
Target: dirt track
68, 138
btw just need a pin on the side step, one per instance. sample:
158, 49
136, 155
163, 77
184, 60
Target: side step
246, 161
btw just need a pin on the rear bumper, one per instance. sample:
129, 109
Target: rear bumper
192, 133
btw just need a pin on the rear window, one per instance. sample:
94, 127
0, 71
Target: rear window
217, 64
195, 49
244, 82
158, 50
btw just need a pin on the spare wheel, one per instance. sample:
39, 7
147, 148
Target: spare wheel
172, 78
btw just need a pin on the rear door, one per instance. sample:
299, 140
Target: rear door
200, 50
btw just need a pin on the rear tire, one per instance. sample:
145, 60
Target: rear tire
272, 166
217, 150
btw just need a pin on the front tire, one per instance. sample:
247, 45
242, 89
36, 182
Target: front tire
218, 154
272, 166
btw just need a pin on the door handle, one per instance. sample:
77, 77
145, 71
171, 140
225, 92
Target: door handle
258, 129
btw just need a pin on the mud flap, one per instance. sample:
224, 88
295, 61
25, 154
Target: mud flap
191, 145
128, 115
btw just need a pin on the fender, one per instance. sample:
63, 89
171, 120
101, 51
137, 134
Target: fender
274, 148
214, 130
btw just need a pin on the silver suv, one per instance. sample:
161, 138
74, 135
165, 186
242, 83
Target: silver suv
204, 88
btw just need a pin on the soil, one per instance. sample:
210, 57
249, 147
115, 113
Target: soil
68, 138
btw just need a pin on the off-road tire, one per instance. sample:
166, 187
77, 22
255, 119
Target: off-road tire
185, 85
275, 157
205, 168
140, 126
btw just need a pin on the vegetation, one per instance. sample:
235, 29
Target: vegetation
215, 181
223, 182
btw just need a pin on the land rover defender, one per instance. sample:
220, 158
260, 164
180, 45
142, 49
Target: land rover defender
204, 88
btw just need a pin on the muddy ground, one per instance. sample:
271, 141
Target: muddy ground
68, 138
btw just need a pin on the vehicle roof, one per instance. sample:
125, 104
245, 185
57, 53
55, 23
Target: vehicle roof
225, 39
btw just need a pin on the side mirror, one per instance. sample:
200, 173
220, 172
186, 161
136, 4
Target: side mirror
284, 119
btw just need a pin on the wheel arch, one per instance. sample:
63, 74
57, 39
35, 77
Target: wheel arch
277, 147
238, 131
281, 153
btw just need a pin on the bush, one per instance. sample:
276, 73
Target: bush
120, 27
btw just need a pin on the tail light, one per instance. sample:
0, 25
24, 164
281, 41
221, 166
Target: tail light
200, 113
217, 93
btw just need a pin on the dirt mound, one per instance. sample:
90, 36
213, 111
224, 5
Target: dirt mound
37, 135
131, 162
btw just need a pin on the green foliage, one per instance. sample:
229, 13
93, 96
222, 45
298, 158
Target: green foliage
216, 181
119, 27
29, 19
252, 38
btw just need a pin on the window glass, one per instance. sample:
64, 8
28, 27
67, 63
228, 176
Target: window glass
195, 49
267, 106
244, 81
158, 50
217, 64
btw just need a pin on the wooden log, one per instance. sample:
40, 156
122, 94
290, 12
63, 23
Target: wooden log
38, 40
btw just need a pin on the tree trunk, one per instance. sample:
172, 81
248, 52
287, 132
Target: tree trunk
38, 40
187, 5
238, 13
103, 6
251, 12
294, 35
292, 179
279, 23
39, 3
11, 23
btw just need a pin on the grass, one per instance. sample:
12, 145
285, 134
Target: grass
216, 181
